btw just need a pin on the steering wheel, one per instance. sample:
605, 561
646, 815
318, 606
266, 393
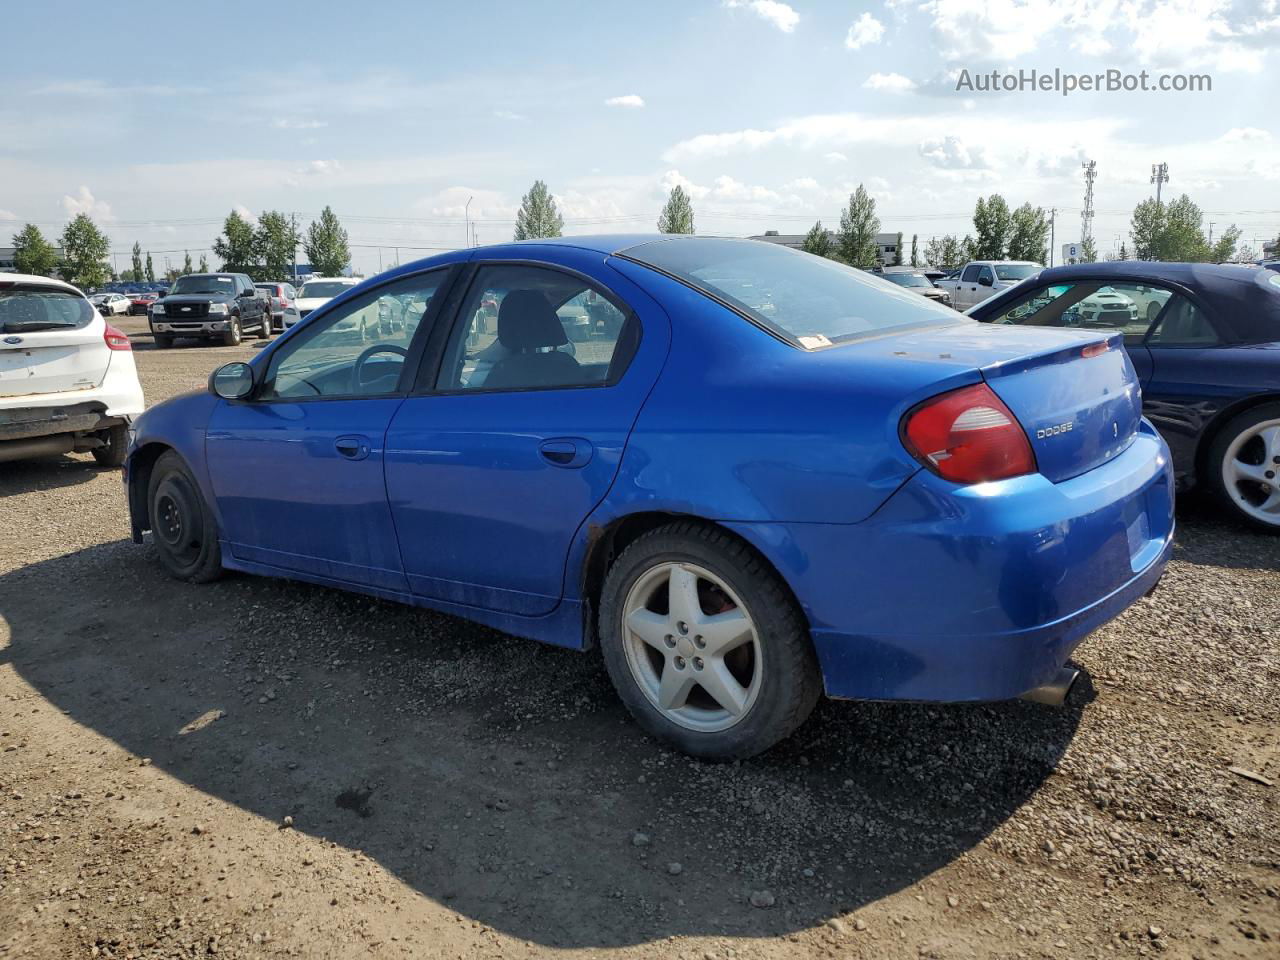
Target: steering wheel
357, 381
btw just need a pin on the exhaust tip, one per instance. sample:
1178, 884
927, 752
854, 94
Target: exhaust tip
1054, 693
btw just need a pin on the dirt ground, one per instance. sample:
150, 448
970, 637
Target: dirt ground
259, 768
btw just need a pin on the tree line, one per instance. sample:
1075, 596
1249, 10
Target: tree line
267, 250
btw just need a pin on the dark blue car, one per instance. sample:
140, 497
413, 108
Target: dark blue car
748, 475
1205, 340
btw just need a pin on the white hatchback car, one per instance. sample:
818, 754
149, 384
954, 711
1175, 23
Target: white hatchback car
67, 378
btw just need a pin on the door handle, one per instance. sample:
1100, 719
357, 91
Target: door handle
353, 447
570, 452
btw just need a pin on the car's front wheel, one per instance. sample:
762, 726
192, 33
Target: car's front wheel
182, 525
232, 336
704, 643
1244, 461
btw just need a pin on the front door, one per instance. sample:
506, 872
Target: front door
493, 468
298, 470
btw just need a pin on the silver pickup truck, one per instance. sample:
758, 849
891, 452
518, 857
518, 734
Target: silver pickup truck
980, 279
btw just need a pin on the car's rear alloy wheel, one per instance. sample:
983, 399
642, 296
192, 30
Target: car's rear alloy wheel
182, 525
705, 644
1246, 458
264, 327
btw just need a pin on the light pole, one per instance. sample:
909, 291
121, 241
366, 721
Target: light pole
466, 212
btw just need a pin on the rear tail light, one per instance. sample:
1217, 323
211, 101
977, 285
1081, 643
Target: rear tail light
116, 339
968, 436
1095, 350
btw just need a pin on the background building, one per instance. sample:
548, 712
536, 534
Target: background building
6, 259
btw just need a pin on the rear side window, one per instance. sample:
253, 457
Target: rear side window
970, 274
29, 308
1183, 324
531, 328
810, 301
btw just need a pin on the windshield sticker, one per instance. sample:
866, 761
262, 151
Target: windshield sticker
814, 342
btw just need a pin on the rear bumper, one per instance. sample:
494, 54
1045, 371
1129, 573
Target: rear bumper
977, 593
22, 423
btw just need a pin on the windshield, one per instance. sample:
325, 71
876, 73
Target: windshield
1016, 271
323, 288
210, 283
811, 301
33, 308
909, 279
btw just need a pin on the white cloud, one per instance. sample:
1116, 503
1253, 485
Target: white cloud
951, 153
287, 123
8, 215
673, 178
1244, 135
85, 202
864, 31
835, 156
320, 168
245, 213
889, 83
509, 115
781, 15
630, 100
802, 183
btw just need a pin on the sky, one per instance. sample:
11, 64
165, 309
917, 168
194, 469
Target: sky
158, 121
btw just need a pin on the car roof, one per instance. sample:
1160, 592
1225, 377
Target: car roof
34, 279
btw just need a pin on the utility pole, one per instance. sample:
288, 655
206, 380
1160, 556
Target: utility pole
466, 212
293, 231
1159, 176
1053, 218
1211, 223
1086, 213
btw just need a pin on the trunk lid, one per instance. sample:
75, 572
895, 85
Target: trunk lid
51, 340
1078, 411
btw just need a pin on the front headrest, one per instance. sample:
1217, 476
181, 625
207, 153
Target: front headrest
527, 322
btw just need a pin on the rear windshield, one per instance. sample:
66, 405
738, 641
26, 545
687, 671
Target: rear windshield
1016, 271
909, 279
323, 288
810, 301
34, 308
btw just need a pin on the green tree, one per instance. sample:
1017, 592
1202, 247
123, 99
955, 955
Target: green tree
856, 241
1224, 248
897, 251
204, 264
1124, 252
1146, 229
277, 241
817, 241
187, 266
677, 213
1175, 232
1088, 251
151, 270
137, 261
1028, 234
915, 250
84, 250
948, 252
993, 224
326, 245
538, 216
32, 253
236, 247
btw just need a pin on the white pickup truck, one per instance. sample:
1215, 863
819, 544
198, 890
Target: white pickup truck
983, 278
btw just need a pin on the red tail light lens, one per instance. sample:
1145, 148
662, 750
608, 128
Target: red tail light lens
968, 436
116, 339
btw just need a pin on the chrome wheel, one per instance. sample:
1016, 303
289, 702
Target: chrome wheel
692, 647
1250, 471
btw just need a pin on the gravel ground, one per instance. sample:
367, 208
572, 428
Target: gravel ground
258, 768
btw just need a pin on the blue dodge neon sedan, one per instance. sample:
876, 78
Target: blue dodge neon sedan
748, 475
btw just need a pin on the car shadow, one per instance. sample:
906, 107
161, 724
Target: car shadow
46, 473
1221, 540
502, 777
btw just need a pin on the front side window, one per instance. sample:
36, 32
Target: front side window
358, 350
1129, 308
531, 328
811, 301
985, 274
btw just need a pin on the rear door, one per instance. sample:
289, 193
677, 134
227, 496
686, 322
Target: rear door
51, 341
497, 462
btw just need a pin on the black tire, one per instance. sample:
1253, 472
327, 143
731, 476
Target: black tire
117, 445
264, 327
234, 333
1215, 461
163, 341
188, 550
790, 683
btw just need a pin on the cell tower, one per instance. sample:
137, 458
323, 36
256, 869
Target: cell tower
1086, 212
